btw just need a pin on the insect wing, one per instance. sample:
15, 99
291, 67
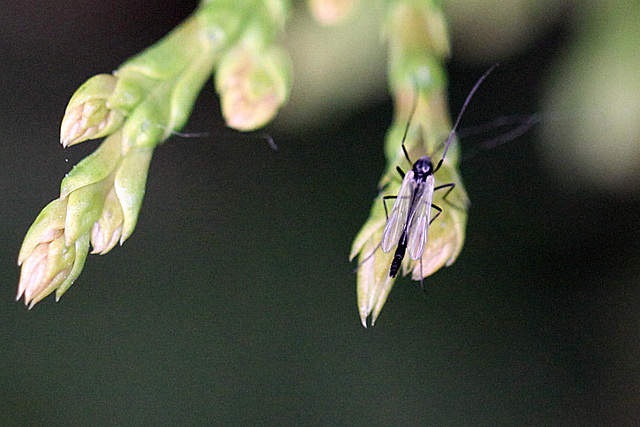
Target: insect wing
398, 217
420, 218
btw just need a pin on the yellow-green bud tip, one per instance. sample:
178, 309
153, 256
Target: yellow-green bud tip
107, 231
46, 267
252, 86
87, 115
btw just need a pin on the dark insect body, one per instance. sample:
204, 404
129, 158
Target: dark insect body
408, 223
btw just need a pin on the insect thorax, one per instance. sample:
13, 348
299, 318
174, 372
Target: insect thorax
422, 168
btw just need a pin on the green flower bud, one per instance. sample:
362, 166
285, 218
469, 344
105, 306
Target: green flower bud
84, 206
49, 225
107, 230
418, 27
446, 238
111, 168
48, 263
129, 185
100, 201
253, 86
145, 101
374, 283
413, 73
87, 115
81, 250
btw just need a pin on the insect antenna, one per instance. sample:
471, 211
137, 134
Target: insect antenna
464, 107
266, 136
406, 129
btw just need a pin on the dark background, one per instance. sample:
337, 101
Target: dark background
233, 301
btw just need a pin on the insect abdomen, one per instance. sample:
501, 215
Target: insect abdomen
398, 256
395, 265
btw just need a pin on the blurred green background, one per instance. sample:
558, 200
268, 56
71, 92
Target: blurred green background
233, 302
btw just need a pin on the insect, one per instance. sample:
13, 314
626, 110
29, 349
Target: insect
408, 224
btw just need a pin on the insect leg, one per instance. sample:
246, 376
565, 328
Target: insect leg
439, 209
450, 187
384, 201
405, 150
422, 278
